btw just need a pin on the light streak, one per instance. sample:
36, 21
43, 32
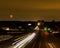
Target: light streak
20, 44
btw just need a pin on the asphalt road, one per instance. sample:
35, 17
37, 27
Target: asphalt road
9, 42
45, 41
39, 41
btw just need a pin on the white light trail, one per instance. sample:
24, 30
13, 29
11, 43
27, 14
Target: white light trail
25, 41
36, 28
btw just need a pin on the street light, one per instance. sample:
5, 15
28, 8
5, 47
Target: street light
29, 24
11, 16
38, 23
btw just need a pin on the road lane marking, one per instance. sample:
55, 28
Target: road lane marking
51, 45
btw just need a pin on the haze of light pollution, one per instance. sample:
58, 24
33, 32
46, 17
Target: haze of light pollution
30, 10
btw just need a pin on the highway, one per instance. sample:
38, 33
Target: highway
36, 39
13, 40
45, 41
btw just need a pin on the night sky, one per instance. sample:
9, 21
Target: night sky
30, 10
